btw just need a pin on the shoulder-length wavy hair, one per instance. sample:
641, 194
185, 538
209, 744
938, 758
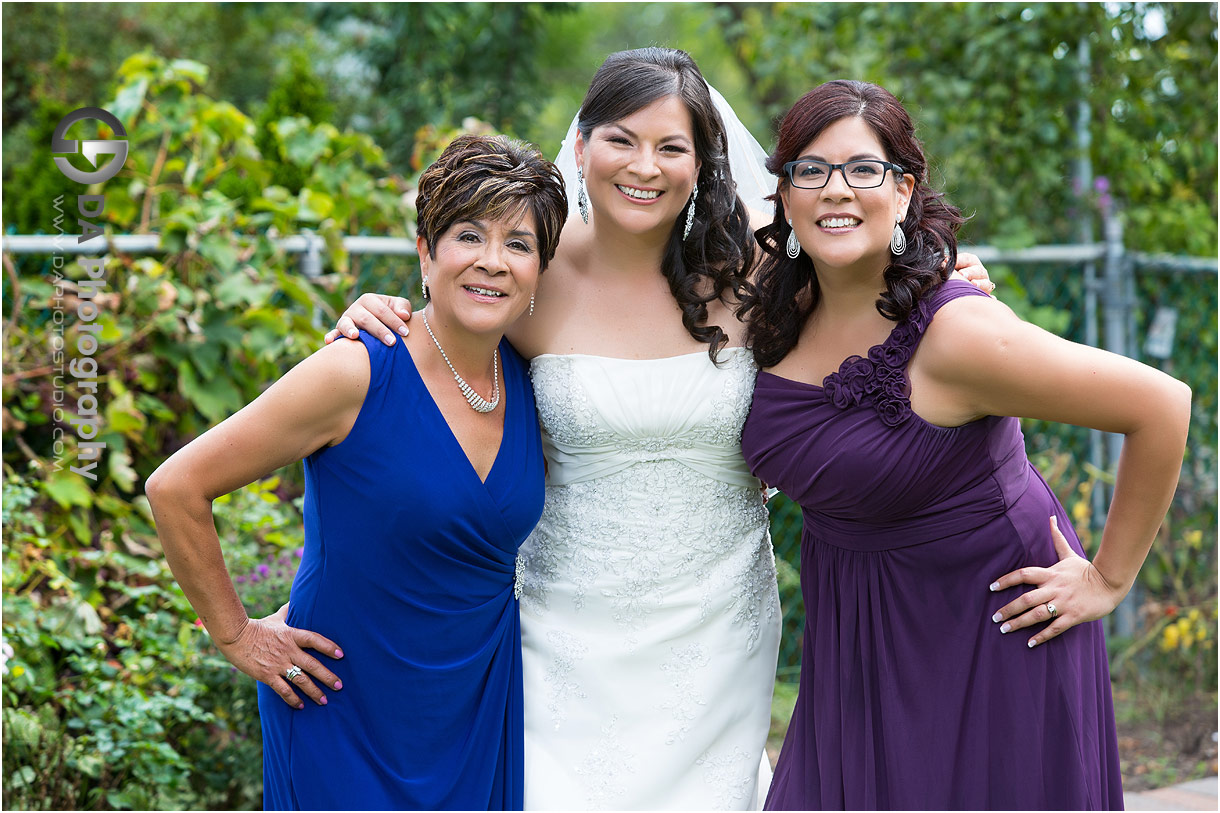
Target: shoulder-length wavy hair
786, 289
715, 259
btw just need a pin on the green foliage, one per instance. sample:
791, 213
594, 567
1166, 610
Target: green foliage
297, 93
113, 697
993, 89
437, 64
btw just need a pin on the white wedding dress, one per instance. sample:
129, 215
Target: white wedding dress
649, 611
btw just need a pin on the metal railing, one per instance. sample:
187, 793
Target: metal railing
1108, 320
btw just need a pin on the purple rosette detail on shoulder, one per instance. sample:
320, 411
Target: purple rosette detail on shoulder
855, 375
836, 393
893, 411
891, 355
920, 317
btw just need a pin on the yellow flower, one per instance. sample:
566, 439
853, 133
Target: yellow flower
1169, 640
18, 671
1080, 511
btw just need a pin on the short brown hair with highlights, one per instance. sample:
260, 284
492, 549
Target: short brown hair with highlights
491, 178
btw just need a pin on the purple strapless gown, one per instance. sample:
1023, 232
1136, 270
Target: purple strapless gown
910, 698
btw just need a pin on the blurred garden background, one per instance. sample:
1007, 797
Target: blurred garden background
266, 139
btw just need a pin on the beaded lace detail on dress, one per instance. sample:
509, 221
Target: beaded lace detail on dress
648, 588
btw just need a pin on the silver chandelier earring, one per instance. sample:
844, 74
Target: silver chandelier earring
426, 294
531, 304
898, 241
690, 213
794, 245
582, 199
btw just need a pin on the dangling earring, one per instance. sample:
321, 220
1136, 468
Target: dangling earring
531, 304
898, 242
427, 296
794, 245
582, 199
690, 213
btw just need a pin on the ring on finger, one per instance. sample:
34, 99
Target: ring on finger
292, 671
1052, 609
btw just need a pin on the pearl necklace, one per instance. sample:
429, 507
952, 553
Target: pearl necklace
477, 402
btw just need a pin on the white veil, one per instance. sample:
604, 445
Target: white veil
746, 161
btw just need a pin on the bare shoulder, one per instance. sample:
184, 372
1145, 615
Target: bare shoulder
969, 332
336, 375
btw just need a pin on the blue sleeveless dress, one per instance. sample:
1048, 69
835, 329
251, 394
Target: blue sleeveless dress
409, 565
910, 697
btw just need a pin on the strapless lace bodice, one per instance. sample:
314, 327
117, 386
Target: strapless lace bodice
600, 415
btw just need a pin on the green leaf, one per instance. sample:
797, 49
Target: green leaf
239, 288
216, 400
303, 145
220, 251
128, 101
68, 488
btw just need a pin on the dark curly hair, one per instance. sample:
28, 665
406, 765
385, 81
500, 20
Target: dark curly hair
787, 290
491, 177
715, 259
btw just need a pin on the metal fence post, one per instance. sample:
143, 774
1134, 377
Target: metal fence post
311, 266
1117, 304
1083, 183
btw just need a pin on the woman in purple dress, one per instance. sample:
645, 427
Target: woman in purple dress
882, 411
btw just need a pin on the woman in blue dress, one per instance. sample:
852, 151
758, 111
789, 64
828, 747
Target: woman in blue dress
418, 491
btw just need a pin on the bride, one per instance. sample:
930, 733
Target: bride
649, 611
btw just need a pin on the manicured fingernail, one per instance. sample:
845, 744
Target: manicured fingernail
300, 705
353, 334
1054, 520
323, 700
402, 331
338, 653
1006, 628
338, 684
1033, 642
997, 617
993, 587
388, 339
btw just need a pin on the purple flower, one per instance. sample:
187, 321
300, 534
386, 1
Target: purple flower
893, 412
859, 387
855, 367
893, 388
300, 552
890, 355
263, 570
1101, 184
835, 392
886, 373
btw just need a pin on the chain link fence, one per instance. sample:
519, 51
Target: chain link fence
1160, 310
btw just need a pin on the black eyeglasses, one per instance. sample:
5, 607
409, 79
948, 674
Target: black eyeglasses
864, 174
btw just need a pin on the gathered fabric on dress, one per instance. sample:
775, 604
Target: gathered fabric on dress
650, 614
409, 566
910, 697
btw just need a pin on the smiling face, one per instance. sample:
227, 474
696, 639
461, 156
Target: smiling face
840, 226
481, 273
639, 171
